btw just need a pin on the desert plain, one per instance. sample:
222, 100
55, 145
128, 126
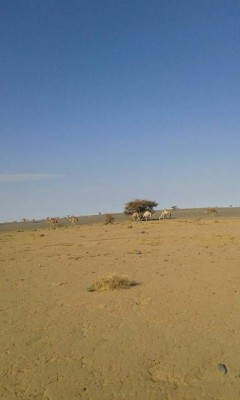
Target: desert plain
175, 335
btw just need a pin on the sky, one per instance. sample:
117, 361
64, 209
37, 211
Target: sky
106, 101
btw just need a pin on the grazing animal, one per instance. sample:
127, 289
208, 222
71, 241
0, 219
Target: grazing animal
212, 211
147, 215
73, 220
52, 222
136, 216
165, 214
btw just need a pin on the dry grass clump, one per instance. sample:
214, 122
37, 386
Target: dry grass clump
135, 252
111, 282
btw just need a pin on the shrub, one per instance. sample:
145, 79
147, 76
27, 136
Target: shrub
111, 282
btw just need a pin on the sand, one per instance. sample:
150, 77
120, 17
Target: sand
175, 335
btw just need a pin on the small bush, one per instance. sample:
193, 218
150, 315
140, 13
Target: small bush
111, 282
135, 252
108, 219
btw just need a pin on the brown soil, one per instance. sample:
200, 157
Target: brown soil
174, 335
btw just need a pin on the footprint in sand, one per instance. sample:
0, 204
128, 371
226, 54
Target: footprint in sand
166, 374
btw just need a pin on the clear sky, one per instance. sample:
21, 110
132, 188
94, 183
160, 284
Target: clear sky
105, 101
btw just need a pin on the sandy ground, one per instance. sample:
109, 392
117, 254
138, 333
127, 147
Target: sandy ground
160, 340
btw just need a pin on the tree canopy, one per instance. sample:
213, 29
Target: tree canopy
139, 206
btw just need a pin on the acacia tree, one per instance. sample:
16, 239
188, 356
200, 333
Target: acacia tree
139, 206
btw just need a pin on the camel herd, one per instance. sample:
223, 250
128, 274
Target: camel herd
136, 216
212, 211
147, 215
53, 222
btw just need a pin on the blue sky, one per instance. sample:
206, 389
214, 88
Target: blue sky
104, 101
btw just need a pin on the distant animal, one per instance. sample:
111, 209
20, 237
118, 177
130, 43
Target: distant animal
212, 211
147, 215
73, 220
53, 222
165, 214
136, 216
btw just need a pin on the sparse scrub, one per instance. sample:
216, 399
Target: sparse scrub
111, 282
108, 219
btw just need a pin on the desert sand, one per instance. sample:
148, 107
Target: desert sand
173, 336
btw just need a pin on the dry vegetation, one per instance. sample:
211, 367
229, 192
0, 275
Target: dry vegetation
111, 282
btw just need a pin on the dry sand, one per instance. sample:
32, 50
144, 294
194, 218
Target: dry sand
160, 340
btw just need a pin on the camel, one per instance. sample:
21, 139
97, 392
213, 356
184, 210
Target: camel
165, 214
212, 211
52, 222
136, 216
73, 220
147, 215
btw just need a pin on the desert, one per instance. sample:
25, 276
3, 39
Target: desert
173, 335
